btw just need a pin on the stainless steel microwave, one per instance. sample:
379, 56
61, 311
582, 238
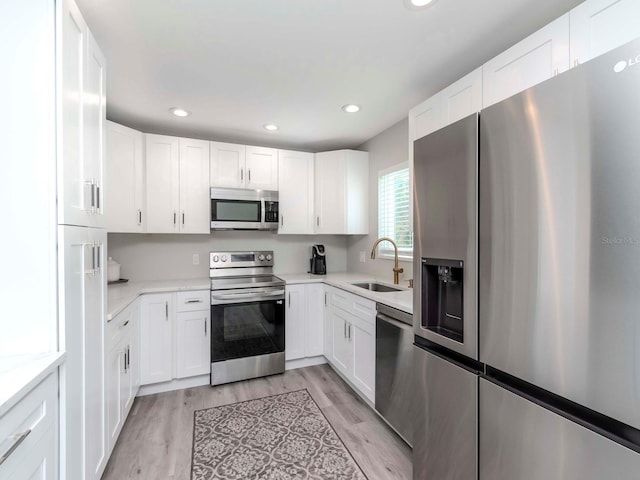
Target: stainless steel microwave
243, 209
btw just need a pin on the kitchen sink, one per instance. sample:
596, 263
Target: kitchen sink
376, 287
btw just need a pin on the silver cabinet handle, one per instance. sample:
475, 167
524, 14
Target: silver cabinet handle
194, 300
249, 174
97, 197
183, 219
282, 220
242, 175
166, 310
205, 326
349, 332
344, 330
17, 438
125, 323
128, 357
99, 256
139, 217
124, 360
318, 221
174, 218
325, 299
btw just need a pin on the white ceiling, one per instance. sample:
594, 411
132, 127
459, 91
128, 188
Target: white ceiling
238, 64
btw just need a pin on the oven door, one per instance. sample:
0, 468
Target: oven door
246, 323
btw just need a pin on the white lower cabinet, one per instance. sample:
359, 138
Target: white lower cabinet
192, 343
156, 338
122, 369
304, 321
351, 323
35, 420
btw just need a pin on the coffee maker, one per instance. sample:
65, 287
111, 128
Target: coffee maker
318, 260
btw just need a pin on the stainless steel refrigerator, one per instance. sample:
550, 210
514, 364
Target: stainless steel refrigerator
557, 370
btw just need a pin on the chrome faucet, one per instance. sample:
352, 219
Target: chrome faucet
396, 271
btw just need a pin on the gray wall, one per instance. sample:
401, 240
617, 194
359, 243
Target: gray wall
385, 150
165, 257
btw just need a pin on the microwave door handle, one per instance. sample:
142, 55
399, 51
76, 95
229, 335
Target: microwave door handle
264, 212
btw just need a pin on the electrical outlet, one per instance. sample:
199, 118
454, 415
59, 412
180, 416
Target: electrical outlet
363, 257
196, 259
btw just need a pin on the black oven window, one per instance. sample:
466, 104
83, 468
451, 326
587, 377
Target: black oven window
246, 329
236, 211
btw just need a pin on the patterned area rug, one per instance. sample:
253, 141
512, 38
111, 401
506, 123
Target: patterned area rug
280, 437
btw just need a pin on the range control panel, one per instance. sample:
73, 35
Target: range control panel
240, 259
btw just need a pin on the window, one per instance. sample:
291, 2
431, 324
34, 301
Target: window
394, 195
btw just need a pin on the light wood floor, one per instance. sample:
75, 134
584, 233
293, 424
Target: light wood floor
156, 440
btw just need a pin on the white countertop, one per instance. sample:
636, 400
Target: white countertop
402, 300
21, 373
119, 296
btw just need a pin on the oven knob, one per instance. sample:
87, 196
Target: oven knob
261, 258
223, 258
216, 258
269, 257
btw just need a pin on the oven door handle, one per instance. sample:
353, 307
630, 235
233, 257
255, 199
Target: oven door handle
245, 296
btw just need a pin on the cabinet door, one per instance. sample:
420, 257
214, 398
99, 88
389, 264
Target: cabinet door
134, 349
40, 462
156, 346
295, 322
125, 178
295, 192
76, 194
531, 61
341, 348
356, 207
425, 118
330, 176
227, 165
314, 319
114, 369
262, 168
598, 26
82, 293
326, 319
462, 98
193, 343
94, 357
94, 125
362, 336
163, 184
194, 186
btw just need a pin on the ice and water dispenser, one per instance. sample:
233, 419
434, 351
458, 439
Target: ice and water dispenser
443, 297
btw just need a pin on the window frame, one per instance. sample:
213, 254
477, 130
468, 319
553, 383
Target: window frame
385, 250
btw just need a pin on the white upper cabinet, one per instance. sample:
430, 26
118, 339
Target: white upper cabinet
125, 177
538, 57
194, 186
177, 185
342, 192
82, 128
462, 98
295, 186
425, 118
262, 168
227, 165
598, 26
163, 184
240, 166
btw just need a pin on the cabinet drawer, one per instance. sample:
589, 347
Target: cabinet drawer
354, 304
119, 324
31, 419
193, 301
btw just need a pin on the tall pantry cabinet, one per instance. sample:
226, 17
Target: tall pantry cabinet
82, 242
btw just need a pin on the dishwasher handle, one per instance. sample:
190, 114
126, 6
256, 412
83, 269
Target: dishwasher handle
393, 321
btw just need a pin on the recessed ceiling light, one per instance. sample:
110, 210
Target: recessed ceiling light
271, 127
180, 112
418, 4
351, 108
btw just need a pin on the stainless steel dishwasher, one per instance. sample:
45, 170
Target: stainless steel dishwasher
394, 369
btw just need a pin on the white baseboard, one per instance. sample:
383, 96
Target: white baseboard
177, 384
304, 362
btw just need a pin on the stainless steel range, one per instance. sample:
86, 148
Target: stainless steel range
247, 316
